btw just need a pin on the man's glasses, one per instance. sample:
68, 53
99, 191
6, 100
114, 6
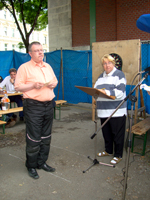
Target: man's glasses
37, 51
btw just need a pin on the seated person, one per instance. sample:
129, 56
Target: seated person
10, 122
9, 83
1, 79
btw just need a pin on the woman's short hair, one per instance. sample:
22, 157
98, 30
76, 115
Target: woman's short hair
109, 58
12, 70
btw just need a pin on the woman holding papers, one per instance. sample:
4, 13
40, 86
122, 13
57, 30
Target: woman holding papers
112, 82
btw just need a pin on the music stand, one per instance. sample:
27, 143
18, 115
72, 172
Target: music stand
95, 93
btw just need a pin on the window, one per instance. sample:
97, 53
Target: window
5, 31
32, 36
4, 14
18, 34
37, 36
5, 47
13, 47
45, 40
11, 17
13, 32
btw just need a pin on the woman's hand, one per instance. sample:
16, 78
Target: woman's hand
102, 90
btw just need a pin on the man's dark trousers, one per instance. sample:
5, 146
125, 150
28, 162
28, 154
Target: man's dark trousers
39, 119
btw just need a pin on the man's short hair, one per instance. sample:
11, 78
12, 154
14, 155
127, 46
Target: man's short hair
32, 43
12, 70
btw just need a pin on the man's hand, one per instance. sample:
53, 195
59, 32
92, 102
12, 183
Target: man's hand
38, 85
52, 86
53, 83
12, 80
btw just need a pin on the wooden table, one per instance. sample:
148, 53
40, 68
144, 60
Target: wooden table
11, 94
11, 110
4, 112
59, 103
140, 131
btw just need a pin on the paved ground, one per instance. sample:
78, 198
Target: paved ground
71, 144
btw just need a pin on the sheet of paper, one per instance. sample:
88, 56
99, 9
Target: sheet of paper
145, 87
11, 92
46, 84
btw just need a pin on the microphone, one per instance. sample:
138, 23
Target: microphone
145, 70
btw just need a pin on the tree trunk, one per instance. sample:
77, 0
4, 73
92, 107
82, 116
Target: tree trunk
26, 43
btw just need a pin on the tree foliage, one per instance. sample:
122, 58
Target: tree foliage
27, 12
20, 45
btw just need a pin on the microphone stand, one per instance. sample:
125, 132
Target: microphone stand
129, 145
129, 142
95, 161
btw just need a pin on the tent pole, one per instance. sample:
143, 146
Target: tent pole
62, 74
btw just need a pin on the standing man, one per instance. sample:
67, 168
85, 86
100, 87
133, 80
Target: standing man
37, 80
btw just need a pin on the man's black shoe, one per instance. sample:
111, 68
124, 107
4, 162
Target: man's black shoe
33, 173
47, 168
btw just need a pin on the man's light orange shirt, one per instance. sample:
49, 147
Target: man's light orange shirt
31, 72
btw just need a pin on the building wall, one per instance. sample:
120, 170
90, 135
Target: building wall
59, 20
106, 21
80, 23
69, 22
115, 20
127, 14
